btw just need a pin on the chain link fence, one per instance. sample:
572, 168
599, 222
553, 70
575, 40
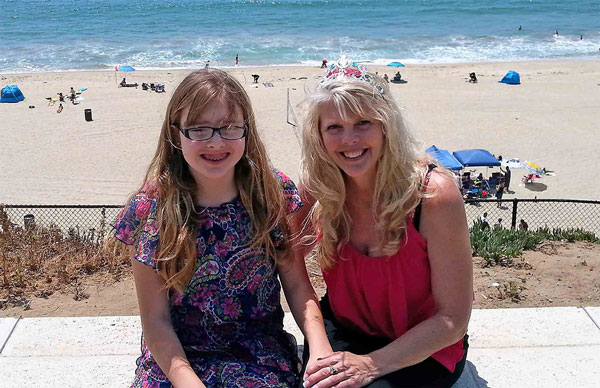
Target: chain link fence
537, 213
81, 219
552, 213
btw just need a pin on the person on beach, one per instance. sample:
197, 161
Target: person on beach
523, 226
500, 193
498, 224
210, 235
73, 96
484, 222
237, 59
507, 175
389, 231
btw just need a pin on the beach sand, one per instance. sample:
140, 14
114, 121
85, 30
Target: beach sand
50, 158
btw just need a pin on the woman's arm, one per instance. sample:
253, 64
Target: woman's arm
158, 330
299, 293
444, 227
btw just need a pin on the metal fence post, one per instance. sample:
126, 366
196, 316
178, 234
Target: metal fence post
513, 223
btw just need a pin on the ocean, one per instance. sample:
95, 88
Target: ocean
54, 35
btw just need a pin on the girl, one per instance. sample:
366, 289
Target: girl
210, 232
390, 233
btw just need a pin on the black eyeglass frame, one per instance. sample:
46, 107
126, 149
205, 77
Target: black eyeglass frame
186, 131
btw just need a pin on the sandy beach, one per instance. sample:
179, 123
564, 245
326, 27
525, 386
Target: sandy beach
59, 158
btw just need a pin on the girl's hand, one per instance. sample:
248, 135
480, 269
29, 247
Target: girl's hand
340, 369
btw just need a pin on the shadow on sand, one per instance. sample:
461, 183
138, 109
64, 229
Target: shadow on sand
536, 186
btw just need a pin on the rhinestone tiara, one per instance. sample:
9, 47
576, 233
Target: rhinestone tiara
345, 70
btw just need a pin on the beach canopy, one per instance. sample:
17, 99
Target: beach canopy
125, 68
395, 64
476, 158
511, 78
445, 158
11, 93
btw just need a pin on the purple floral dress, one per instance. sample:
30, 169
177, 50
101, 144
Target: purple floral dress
229, 318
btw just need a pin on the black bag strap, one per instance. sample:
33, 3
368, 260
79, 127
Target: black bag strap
417, 213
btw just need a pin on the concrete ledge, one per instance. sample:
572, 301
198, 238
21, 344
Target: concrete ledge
542, 347
67, 371
553, 326
594, 313
81, 336
6, 328
558, 366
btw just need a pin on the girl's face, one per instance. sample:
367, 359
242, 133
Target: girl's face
213, 160
355, 144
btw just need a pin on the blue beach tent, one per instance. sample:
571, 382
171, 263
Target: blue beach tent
395, 64
511, 78
11, 93
476, 157
445, 158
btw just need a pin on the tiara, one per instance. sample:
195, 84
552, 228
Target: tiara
344, 70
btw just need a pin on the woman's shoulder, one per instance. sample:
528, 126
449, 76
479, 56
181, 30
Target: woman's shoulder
441, 188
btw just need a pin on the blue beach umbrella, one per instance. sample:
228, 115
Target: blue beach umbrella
395, 64
125, 68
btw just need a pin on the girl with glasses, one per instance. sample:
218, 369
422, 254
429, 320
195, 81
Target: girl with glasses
210, 235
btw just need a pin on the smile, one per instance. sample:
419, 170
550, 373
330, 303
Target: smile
215, 157
353, 154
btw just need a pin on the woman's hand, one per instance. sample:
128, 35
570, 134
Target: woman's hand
340, 369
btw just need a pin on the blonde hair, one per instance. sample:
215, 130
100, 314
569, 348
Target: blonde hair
400, 173
260, 192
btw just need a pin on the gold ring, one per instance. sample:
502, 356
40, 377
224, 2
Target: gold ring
332, 370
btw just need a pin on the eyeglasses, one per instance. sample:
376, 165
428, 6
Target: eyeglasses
228, 132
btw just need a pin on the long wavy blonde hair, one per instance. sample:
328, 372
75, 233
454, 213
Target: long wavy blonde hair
401, 170
260, 192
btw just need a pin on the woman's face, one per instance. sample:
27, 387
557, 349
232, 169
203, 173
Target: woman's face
213, 159
355, 144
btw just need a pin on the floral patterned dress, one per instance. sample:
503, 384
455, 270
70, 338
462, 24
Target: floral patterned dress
229, 318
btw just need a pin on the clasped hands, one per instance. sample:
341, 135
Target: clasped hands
340, 369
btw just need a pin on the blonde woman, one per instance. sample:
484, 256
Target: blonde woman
210, 234
390, 234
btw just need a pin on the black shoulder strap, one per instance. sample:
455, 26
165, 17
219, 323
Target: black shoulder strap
417, 214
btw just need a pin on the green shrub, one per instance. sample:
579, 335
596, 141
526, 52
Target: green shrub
569, 234
500, 246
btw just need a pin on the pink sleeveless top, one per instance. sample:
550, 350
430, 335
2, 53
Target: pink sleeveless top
386, 296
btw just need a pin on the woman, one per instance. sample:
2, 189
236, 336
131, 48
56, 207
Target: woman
390, 234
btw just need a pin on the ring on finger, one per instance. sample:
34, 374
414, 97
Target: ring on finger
332, 370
